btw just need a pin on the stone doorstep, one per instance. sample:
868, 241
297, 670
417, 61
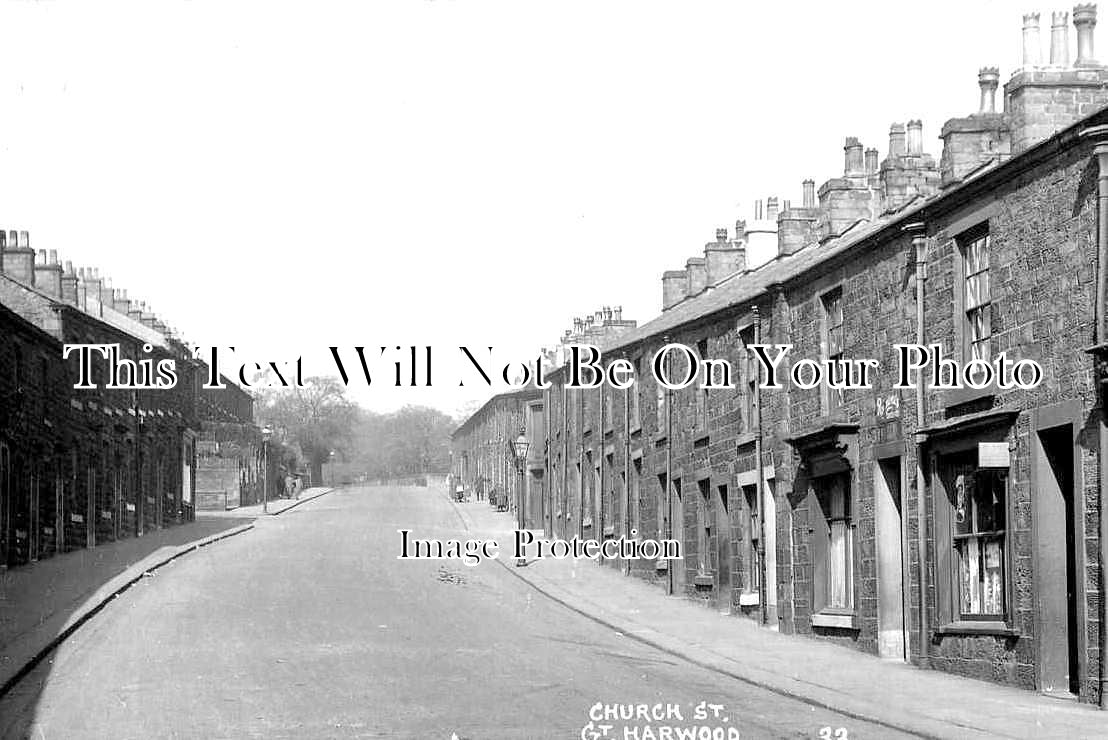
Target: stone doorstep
28, 649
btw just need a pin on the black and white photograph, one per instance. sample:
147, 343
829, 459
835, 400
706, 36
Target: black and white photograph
511, 369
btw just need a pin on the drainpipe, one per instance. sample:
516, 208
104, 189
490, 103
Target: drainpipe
668, 395
1101, 152
919, 246
627, 469
760, 491
565, 457
600, 524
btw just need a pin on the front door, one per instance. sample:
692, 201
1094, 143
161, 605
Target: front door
1056, 525
677, 532
891, 638
722, 530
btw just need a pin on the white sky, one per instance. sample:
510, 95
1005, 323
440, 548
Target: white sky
283, 177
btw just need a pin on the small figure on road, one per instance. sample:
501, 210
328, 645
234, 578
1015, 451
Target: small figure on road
288, 486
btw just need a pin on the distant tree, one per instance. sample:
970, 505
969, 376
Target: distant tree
318, 418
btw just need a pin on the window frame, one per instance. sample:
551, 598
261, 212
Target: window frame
832, 400
964, 242
947, 573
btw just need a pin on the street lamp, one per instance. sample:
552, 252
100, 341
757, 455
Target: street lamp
267, 432
520, 447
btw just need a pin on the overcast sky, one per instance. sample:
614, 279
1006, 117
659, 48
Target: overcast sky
283, 177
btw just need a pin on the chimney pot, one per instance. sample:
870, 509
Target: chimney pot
1084, 20
853, 151
897, 146
1060, 39
721, 234
53, 256
618, 313
1032, 50
915, 137
40, 257
771, 208
24, 240
988, 78
871, 161
809, 193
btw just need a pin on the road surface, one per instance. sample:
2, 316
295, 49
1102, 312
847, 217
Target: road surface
308, 626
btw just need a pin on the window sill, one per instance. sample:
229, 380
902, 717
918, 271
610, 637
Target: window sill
962, 396
750, 599
842, 620
661, 565
969, 627
636, 428
704, 580
700, 433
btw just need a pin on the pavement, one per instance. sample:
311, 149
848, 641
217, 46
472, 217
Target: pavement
917, 701
272, 507
41, 604
314, 627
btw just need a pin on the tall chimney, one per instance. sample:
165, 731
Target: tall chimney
673, 288
771, 208
897, 147
1032, 49
69, 284
988, 78
809, 193
697, 271
853, 150
915, 138
19, 258
871, 161
1084, 19
1060, 39
48, 273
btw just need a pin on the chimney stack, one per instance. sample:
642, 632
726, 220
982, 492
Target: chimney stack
723, 258
853, 166
915, 138
697, 271
1084, 19
673, 288
809, 193
18, 258
771, 208
988, 78
896, 140
1032, 49
1060, 39
69, 285
48, 273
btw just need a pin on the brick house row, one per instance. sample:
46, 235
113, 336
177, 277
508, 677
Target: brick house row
960, 530
84, 467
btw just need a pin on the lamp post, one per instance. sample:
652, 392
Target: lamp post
266, 434
520, 447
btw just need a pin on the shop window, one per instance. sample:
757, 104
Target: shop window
978, 520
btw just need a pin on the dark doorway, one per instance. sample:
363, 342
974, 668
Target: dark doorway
1056, 587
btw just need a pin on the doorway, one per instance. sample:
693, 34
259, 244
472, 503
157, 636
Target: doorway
1056, 588
723, 549
677, 532
892, 638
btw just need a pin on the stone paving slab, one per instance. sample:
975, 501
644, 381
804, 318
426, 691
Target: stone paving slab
924, 702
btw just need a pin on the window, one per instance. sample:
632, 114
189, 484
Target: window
832, 544
833, 344
634, 514
635, 413
978, 501
660, 499
660, 405
749, 379
976, 298
701, 393
704, 528
752, 531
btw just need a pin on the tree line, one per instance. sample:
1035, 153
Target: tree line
327, 426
